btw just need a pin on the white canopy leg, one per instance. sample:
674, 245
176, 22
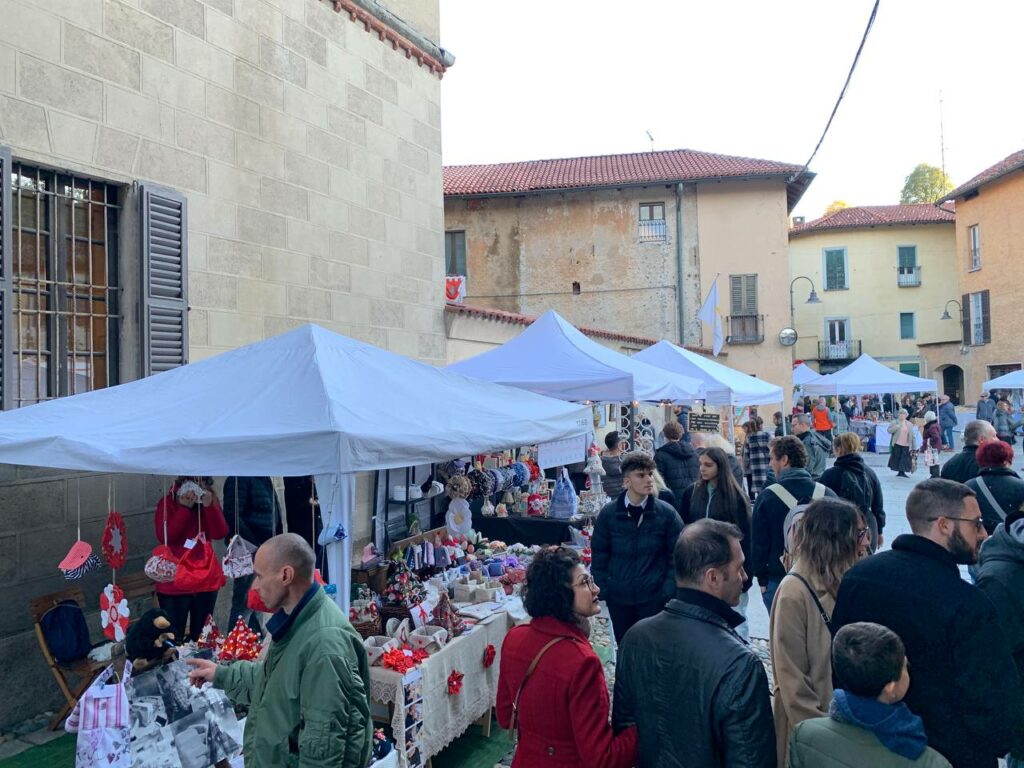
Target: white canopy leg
337, 494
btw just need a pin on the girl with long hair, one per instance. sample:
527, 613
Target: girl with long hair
826, 547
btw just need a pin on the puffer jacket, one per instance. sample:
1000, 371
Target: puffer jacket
1006, 487
632, 563
986, 409
947, 415
862, 475
696, 692
821, 742
679, 466
308, 700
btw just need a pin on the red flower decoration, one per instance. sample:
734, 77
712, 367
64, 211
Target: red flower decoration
114, 613
115, 541
455, 682
403, 659
489, 654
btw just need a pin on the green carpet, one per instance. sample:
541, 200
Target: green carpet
474, 750
59, 752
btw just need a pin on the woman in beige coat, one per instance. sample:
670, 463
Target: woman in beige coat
826, 548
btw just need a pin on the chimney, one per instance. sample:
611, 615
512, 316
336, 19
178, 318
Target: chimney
798, 220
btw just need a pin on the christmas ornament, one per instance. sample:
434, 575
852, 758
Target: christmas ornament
455, 683
115, 541
241, 644
114, 613
210, 636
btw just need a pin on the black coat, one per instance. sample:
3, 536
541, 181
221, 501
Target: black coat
1006, 487
633, 564
961, 467
963, 682
853, 463
767, 520
696, 692
678, 465
695, 507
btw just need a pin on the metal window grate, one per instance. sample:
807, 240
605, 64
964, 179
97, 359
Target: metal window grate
65, 284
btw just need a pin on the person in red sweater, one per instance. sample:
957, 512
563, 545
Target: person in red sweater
190, 507
563, 705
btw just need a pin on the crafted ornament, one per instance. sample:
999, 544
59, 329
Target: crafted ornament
114, 613
115, 541
455, 683
241, 644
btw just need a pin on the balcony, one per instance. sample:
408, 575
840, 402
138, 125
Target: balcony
839, 350
652, 231
745, 329
908, 277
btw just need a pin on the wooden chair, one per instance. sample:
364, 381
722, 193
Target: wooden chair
136, 587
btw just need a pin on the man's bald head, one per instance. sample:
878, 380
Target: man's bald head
290, 549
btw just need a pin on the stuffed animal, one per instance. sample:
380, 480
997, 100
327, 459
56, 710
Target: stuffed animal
149, 641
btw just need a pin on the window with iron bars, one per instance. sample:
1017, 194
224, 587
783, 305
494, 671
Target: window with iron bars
65, 291
652, 227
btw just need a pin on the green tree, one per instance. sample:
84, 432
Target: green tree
836, 205
925, 184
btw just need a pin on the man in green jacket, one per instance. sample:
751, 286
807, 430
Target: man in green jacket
309, 698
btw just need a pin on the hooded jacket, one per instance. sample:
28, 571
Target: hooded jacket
862, 475
679, 466
1006, 487
947, 415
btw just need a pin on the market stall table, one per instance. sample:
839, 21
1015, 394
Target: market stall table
442, 717
527, 530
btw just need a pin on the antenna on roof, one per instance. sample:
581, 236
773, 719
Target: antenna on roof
942, 137
651, 138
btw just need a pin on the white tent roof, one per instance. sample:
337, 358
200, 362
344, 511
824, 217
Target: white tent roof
867, 376
306, 402
803, 374
1011, 380
552, 358
722, 385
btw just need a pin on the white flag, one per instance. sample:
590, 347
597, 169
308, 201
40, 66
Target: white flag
710, 315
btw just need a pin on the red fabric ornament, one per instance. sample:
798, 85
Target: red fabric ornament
397, 660
114, 613
115, 541
455, 683
210, 636
241, 644
489, 654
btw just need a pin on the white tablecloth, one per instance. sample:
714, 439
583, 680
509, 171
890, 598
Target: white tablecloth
445, 717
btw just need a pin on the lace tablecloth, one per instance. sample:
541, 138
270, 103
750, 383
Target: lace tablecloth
443, 717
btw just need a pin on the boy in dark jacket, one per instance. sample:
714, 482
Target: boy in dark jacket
632, 546
677, 461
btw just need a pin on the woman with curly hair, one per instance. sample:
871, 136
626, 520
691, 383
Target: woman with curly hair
826, 545
551, 685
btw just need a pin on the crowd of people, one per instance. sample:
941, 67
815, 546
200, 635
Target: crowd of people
880, 658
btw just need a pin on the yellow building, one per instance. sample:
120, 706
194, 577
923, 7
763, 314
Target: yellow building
882, 275
989, 249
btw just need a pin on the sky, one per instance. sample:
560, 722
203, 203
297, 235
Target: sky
566, 78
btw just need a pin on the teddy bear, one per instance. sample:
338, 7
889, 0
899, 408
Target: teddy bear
149, 641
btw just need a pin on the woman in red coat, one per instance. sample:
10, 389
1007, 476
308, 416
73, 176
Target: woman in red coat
189, 507
563, 705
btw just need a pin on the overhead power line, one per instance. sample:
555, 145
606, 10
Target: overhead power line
842, 93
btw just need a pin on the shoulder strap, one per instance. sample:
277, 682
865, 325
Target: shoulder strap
814, 596
784, 496
990, 498
514, 721
819, 492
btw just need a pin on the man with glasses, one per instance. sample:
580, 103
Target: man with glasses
966, 687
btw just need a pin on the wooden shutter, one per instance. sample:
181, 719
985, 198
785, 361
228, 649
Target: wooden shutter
965, 304
6, 275
835, 269
907, 256
743, 294
986, 318
164, 227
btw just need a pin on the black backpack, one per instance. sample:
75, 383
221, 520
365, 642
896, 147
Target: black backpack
857, 488
65, 631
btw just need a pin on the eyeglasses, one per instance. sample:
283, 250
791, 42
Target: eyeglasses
586, 581
978, 525
863, 533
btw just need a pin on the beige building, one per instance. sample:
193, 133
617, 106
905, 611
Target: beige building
180, 178
883, 274
989, 250
634, 243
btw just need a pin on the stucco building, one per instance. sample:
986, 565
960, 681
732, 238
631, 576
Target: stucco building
634, 243
989, 250
181, 177
883, 274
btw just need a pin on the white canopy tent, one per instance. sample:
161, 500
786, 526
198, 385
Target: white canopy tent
867, 376
722, 385
1011, 380
306, 402
553, 358
803, 374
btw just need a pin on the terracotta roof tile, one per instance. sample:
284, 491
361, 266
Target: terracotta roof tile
1006, 165
514, 318
613, 170
862, 216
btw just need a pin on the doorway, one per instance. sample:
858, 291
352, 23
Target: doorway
953, 383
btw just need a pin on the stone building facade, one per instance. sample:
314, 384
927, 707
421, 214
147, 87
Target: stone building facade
634, 243
181, 177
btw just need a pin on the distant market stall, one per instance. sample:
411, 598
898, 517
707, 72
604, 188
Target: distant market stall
867, 376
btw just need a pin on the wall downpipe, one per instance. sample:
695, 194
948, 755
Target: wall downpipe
680, 266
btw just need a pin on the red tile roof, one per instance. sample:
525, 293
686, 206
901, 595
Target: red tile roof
1006, 165
864, 216
516, 319
614, 171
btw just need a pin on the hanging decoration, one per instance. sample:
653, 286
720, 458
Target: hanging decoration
80, 559
115, 537
114, 613
489, 654
455, 683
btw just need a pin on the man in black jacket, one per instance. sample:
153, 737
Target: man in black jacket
964, 466
695, 691
677, 461
632, 546
965, 686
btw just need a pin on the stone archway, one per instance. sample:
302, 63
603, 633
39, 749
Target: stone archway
953, 383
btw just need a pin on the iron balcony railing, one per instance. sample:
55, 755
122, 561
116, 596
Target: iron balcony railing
839, 350
652, 231
745, 329
908, 277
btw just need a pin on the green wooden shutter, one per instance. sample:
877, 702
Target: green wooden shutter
835, 269
7, 341
164, 226
986, 318
908, 256
965, 305
906, 325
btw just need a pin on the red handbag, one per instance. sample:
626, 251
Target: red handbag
199, 569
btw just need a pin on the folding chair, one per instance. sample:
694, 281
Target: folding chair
136, 587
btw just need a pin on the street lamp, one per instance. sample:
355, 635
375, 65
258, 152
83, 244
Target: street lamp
791, 335
947, 316
812, 297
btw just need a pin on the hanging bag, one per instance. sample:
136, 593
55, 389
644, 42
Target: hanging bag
198, 569
103, 724
564, 501
162, 565
238, 556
